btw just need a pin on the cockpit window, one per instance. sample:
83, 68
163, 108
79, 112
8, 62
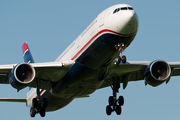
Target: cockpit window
123, 8
116, 10
130, 8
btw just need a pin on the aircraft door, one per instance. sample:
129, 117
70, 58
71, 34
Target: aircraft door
101, 20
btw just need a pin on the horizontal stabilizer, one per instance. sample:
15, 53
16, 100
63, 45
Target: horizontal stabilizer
12, 100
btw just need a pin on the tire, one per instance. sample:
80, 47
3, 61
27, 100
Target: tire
34, 103
111, 101
45, 103
32, 112
108, 110
118, 59
118, 109
42, 112
121, 100
123, 59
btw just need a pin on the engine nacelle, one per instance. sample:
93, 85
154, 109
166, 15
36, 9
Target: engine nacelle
157, 73
21, 75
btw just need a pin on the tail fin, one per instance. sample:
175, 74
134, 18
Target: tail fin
27, 53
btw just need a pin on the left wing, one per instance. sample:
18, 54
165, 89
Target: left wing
135, 71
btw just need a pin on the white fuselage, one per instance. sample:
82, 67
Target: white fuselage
124, 22
119, 20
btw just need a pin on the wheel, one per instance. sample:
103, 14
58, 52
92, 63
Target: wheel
42, 112
111, 101
118, 109
121, 100
123, 59
108, 110
35, 103
32, 112
118, 59
45, 103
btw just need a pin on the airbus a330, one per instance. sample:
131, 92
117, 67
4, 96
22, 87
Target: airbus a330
92, 61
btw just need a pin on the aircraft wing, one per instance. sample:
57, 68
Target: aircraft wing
23, 100
46, 72
133, 71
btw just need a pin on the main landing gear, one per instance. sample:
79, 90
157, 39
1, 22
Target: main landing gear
114, 103
120, 58
39, 105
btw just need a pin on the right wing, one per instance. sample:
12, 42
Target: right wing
46, 72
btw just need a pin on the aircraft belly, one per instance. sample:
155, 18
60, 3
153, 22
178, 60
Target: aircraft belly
102, 51
79, 81
55, 103
89, 70
76, 86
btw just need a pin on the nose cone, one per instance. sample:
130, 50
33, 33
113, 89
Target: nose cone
129, 22
124, 22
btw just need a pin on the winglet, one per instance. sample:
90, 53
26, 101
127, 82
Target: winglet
27, 54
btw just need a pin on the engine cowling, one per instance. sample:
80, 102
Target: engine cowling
157, 73
21, 76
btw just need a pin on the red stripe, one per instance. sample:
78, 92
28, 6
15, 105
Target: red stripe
40, 93
24, 47
102, 31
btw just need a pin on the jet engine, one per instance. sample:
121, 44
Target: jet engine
157, 73
21, 76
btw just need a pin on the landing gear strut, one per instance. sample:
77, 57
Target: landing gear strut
120, 57
114, 103
38, 104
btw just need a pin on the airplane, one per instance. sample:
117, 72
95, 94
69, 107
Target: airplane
92, 61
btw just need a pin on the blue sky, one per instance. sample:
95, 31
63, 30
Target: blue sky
50, 26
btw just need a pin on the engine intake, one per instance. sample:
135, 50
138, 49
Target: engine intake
157, 73
21, 75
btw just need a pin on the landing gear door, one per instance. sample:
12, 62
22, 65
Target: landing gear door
102, 16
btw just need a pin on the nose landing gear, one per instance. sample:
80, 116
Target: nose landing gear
120, 57
114, 103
